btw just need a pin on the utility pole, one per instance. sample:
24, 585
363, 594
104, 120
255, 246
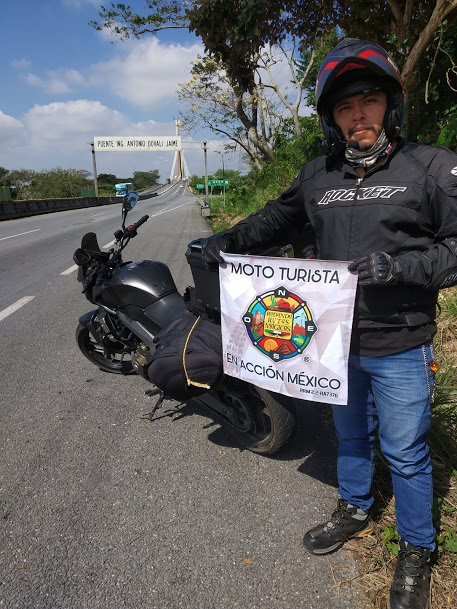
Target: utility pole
95, 169
206, 171
223, 174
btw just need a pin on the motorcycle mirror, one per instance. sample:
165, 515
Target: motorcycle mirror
130, 201
81, 257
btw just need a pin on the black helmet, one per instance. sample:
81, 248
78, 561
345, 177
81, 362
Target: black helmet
352, 67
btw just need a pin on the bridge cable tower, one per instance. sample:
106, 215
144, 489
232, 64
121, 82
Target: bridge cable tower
179, 162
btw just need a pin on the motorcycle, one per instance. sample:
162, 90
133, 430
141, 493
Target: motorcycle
134, 302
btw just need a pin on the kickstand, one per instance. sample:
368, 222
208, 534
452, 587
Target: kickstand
150, 393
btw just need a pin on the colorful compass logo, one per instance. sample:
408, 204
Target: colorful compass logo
279, 324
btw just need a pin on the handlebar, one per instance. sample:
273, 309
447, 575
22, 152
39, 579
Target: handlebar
130, 231
102, 264
140, 222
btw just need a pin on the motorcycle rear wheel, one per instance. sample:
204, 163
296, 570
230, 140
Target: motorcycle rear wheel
113, 362
262, 425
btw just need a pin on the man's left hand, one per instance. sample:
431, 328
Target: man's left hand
377, 269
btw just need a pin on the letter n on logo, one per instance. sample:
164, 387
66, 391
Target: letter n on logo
281, 292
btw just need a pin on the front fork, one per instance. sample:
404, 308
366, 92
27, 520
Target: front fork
88, 320
95, 321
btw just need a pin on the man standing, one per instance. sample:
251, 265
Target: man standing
390, 207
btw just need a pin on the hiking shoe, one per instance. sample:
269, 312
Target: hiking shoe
411, 585
346, 522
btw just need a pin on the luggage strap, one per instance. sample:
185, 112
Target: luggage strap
189, 382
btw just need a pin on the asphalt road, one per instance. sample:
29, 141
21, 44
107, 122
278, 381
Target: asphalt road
101, 509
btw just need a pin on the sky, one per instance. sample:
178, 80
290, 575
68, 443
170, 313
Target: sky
62, 83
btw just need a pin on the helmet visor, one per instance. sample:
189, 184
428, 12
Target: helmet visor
354, 83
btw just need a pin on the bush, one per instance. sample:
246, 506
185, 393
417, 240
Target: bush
250, 193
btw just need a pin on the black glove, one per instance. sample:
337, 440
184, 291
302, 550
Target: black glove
211, 250
377, 269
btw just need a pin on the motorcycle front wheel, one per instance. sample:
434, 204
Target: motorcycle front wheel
258, 420
110, 361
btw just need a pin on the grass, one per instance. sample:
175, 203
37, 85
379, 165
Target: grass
376, 555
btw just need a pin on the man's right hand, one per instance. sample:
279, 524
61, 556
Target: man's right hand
211, 251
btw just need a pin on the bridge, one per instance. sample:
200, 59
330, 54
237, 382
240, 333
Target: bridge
149, 143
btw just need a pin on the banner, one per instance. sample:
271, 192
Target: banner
286, 324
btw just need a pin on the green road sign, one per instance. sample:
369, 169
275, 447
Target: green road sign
218, 182
200, 186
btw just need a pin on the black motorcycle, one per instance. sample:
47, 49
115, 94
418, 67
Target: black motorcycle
137, 300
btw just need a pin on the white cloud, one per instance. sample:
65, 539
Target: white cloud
146, 74
79, 3
22, 63
10, 129
70, 121
56, 82
59, 134
52, 84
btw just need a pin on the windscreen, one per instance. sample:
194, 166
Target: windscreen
89, 242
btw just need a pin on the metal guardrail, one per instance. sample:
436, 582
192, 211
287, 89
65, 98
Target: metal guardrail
21, 209
10, 210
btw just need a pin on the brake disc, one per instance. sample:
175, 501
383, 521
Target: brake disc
237, 412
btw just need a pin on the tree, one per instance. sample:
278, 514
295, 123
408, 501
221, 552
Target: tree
432, 105
245, 119
156, 15
251, 119
60, 183
299, 73
145, 179
227, 174
23, 181
107, 178
233, 32
3, 174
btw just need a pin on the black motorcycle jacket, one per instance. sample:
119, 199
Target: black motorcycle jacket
406, 207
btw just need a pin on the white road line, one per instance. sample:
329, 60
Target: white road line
165, 211
75, 266
14, 307
19, 234
70, 270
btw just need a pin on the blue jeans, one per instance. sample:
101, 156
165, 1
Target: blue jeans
390, 395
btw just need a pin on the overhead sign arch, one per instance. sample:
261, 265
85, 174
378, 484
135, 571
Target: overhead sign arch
137, 143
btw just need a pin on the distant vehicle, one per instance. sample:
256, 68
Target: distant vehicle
181, 186
124, 188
